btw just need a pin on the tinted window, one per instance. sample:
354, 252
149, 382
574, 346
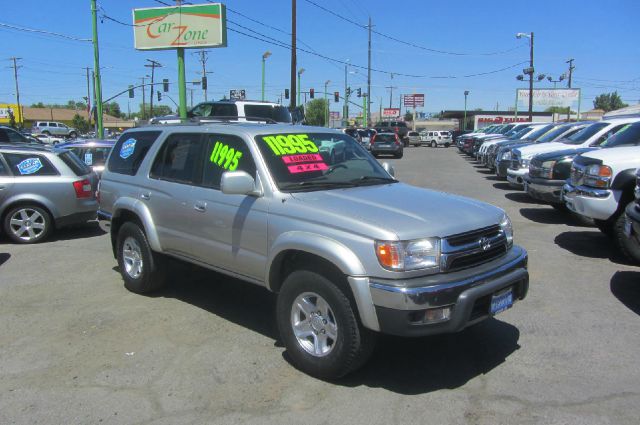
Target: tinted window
52, 124
539, 132
15, 137
225, 153
224, 110
413, 133
72, 161
178, 158
385, 138
276, 113
4, 137
584, 134
130, 150
3, 168
627, 135
553, 134
92, 155
29, 164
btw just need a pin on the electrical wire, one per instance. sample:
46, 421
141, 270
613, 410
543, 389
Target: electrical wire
39, 31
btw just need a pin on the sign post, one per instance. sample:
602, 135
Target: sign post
180, 27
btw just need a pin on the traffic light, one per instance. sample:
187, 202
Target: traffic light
286, 93
311, 93
165, 85
130, 92
159, 96
336, 96
348, 91
204, 82
359, 92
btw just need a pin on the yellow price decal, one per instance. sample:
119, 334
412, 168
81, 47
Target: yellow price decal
290, 144
225, 157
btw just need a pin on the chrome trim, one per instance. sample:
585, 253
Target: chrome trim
570, 191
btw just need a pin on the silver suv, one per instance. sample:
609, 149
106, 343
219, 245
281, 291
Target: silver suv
43, 189
51, 128
350, 250
233, 110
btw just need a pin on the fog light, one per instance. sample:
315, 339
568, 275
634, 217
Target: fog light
433, 315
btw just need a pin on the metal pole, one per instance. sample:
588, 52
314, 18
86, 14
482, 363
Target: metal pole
369, 77
88, 97
464, 122
96, 66
294, 64
203, 59
144, 102
15, 76
326, 104
345, 108
263, 60
93, 83
365, 106
152, 64
299, 78
531, 80
515, 114
182, 85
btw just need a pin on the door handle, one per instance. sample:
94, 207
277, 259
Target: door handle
200, 206
146, 195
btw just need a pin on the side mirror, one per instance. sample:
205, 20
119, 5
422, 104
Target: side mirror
238, 183
389, 169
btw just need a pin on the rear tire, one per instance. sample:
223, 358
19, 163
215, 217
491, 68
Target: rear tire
319, 326
27, 224
629, 246
142, 270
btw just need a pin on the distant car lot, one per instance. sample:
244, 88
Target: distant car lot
77, 347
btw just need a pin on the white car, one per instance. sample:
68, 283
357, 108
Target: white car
593, 135
436, 138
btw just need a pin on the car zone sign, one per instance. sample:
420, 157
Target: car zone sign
195, 26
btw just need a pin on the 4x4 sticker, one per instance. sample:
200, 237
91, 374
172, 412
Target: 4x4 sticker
29, 166
225, 156
127, 148
290, 144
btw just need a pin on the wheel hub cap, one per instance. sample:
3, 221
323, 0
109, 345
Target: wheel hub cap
314, 324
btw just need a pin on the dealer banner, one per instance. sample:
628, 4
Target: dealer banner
550, 97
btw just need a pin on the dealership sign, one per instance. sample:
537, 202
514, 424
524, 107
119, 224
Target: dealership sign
334, 115
391, 112
195, 26
413, 100
7, 110
486, 120
550, 97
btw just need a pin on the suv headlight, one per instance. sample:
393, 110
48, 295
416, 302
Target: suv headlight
598, 176
507, 228
524, 163
546, 171
399, 256
506, 156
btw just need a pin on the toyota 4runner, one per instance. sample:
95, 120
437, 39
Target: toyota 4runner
349, 250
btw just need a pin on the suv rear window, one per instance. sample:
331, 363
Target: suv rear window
130, 150
29, 164
73, 162
276, 113
385, 138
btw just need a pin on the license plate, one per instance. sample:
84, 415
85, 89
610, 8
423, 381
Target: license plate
385, 146
501, 301
628, 230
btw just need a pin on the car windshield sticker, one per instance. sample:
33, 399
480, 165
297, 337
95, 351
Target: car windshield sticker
29, 166
127, 148
307, 168
296, 159
290, 144
225, 156
88, 158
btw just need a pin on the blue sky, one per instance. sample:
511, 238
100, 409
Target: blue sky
601, 37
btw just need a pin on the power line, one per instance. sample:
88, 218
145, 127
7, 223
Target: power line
408, 43
39, 31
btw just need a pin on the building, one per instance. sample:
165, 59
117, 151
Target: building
482, 119
66, 116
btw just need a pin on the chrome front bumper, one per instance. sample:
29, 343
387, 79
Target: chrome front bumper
599, 204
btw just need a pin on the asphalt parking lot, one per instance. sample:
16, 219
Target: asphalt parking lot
77, 348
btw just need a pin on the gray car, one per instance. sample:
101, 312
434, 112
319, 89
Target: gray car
53, 128
350, 250
43, 189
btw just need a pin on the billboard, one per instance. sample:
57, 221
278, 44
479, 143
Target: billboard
334, 115
413, 100
390, 112
550, 97
6, 109
195, 26
481, 121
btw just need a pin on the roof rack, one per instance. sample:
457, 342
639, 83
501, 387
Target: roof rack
224, 119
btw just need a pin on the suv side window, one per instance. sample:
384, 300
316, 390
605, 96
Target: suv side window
225, 153
130, 150
224, 110
3, 168
29, 164
15, 137
179, 159
52, 124
4, 137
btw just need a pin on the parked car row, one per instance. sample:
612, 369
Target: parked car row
588, 168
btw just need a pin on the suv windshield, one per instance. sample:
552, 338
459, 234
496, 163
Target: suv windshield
539, 132
551, 135
584, 134
319, 161
628, 135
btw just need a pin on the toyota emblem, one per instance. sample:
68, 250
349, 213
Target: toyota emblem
485, 243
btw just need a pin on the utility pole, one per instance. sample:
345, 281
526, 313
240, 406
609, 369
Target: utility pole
326, 104
15, 76
366, 124
88, 96
182, 85
391, 87
203, 61
294, 65
93, 81
152, 64
571, 68
96, 68
531, 80
144, 105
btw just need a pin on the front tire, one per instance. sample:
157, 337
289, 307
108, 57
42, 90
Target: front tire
319, 326
142, 270
27, 224
629, 246
434, 144
605, 226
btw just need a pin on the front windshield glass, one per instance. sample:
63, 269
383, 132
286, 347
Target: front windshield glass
505, 129
319, 161
94, 156
628, 135
539, 132
518, 133
553, 134
584, 134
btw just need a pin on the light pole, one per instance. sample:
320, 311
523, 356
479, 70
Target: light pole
300, 71
530, 69
265, 55
551, 80
466, 93
326, 110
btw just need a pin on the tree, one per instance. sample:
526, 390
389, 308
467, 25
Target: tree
609, 102
408, 116
558, 110
113, 109
315, 112
80, 124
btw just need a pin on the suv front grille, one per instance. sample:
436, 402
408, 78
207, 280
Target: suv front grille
472, 248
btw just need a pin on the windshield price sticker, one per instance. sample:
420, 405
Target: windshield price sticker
127, 148
290, 144
307, 168
88, 158
29, 166
224, 156
296, 159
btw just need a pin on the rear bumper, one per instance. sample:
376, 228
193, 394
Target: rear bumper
467, 293
386, 150
75, 218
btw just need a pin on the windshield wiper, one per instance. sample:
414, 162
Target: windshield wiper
318, 184
374, 179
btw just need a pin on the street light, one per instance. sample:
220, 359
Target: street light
551, 80
300, 71
326, 111
466, 93
264, 58
531, 69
